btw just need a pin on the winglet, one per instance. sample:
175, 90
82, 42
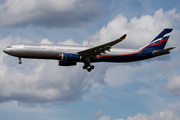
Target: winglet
123, 37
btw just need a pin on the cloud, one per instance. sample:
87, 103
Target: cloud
41, 81
15, 111
143, 71
49, 13
167, 114
140, 31
104, 118
173, 85
45, 41
98, 114
172, 80
68, 42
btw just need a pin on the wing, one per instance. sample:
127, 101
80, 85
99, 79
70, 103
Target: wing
100, 49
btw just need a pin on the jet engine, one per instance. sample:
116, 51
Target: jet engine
70, 57
66, 63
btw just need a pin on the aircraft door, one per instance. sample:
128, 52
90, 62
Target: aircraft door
50, 48
18, 47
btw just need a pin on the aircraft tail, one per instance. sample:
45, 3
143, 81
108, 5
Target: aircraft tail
159, 42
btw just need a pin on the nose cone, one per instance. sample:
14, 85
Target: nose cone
6, 51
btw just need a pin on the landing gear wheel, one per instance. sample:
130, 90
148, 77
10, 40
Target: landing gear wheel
84, 67
89, 69
92, 67
88, 66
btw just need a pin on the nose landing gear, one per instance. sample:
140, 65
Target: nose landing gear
20, 62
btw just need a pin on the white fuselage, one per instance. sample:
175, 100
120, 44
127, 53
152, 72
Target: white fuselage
45, 51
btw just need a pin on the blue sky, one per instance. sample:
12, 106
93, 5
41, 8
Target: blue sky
42, 90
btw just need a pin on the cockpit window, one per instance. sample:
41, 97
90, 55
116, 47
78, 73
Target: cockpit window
9, 46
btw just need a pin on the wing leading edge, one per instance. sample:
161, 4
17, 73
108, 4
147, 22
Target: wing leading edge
101, 48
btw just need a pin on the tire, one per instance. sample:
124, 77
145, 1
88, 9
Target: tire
84, 67
89, 69
92, 67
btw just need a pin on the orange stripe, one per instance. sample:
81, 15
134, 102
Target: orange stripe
118, 55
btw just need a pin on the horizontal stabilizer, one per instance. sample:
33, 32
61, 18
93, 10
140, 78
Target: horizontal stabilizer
162, 51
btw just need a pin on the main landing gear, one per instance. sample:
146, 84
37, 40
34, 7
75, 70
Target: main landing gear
20, 62
88, 67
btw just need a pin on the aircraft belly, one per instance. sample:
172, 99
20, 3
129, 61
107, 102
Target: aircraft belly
121, 58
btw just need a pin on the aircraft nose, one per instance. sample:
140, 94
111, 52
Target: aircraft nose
6, 51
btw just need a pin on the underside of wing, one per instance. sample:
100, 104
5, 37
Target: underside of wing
101, 48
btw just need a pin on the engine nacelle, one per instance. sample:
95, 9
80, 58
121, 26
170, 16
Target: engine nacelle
66, 63
70, 57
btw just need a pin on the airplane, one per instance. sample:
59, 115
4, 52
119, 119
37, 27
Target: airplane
70, 55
